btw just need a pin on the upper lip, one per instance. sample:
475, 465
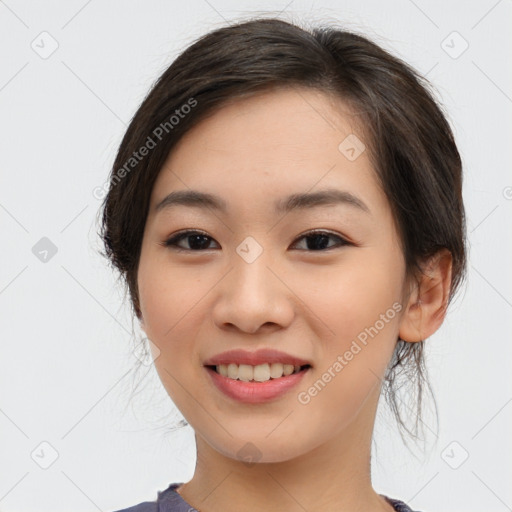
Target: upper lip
255, 358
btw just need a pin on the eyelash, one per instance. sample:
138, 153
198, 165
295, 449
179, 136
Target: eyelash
173, 240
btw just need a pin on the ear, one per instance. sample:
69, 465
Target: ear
428, 300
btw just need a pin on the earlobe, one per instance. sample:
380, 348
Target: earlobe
427, 304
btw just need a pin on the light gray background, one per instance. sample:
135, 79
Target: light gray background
66, 365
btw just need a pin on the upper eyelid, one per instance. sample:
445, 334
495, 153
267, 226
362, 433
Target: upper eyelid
180, 235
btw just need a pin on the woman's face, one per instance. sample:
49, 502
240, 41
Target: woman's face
256, 278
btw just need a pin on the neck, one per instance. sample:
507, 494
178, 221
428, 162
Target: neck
336, 475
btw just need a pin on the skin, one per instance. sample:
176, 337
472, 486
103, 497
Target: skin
311, 304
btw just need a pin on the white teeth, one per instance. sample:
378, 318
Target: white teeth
245, 372
276, 370
259, 373
288, 369
232, 371
262, 372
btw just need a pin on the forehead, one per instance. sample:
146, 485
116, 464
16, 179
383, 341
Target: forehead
272, 144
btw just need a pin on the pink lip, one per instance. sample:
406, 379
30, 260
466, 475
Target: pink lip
255, 392
261, 356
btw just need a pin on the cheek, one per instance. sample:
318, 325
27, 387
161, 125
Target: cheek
359, 308
167, 297
171, 306
361, 317
349, 299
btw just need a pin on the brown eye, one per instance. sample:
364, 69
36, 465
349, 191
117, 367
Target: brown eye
196, 241
319, 241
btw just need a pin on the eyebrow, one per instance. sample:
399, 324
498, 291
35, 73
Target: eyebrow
299, 201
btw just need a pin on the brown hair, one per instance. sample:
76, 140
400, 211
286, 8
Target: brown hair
411, 144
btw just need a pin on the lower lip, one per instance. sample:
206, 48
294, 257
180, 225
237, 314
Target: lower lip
256, 392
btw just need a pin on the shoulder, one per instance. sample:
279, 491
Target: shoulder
167, 501
146, 506
398, 505
170, 501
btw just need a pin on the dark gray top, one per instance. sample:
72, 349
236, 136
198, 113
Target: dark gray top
170, 501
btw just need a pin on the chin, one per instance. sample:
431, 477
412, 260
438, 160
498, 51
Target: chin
262, 450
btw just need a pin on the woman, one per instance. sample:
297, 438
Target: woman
286, 211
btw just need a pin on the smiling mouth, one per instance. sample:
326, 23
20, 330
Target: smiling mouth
259, 373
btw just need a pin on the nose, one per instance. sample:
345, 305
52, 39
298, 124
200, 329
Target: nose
253, 297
